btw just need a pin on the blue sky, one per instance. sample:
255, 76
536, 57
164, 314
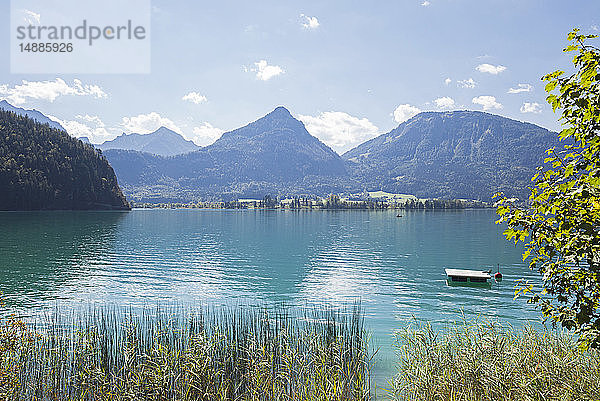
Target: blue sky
350, 70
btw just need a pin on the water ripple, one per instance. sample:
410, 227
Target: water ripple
393, 266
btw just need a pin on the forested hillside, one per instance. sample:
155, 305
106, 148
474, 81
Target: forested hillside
457, 154
272, 155
43, 168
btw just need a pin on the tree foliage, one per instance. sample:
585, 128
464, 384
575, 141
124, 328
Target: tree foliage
560, 224
44, 168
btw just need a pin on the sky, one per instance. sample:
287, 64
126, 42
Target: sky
350, 70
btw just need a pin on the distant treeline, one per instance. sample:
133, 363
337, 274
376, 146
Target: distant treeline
317, 203
43, 168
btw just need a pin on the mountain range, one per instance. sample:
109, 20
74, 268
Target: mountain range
458, 154
452, 155
162, 142
33, 114
273, 154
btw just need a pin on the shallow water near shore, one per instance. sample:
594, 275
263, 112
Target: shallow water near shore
393, 266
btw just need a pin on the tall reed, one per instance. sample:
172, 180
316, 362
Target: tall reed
482, 360
235, 353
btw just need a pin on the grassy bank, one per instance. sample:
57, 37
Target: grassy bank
225, 354
247, 353
485, 361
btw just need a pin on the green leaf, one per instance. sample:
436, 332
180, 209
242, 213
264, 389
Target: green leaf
560, 224
550, 86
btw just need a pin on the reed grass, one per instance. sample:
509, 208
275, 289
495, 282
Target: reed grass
484, 360
237, 353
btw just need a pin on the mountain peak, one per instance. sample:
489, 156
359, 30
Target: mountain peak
163, 131
280, 112
162, 142
445, 114
278, 121
272, 154
459, 115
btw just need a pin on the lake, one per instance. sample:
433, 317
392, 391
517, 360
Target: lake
394, 266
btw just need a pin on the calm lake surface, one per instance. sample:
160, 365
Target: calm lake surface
394, 266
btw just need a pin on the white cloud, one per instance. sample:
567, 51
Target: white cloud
466, 83
205, 134
531, 108
447, 81
95, 131
309, 22
48, 90
264, 71
91, 119
340, 130
425, 3
488, 102
521, 88
595, 28
444, 102
78, 130
30, 17
404, 112
250, 28
194, 97
147, 123
490, 69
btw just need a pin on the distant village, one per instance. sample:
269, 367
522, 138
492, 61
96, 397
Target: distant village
378, 200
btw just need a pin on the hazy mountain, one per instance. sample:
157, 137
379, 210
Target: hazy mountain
460, 154
33, 114
43, 168
273, 154
162, 142
275, 147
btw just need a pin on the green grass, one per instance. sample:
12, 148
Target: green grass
237, 353
485, 361
248, 353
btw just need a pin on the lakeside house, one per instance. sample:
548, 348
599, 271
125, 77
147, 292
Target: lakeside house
378, 200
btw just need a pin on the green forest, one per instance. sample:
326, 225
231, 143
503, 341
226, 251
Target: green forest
42, 168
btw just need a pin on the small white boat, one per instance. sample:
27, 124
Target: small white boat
469, 278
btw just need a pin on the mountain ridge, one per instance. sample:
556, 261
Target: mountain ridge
43, 168
457, 154
452, 155
33, 114
162, 142
272, 153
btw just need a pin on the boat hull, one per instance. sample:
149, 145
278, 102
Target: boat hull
451, 283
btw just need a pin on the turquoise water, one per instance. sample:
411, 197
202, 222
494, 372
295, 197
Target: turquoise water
394, 266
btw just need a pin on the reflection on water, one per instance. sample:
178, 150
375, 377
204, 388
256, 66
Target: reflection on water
395, 266
44, 251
